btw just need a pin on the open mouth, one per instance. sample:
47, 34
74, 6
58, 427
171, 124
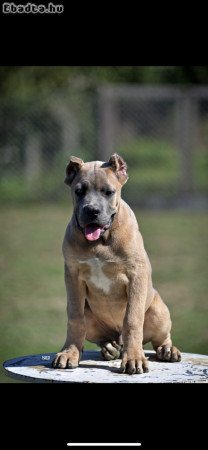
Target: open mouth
93, 231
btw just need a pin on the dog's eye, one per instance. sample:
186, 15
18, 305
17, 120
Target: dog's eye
109, 192
81, 190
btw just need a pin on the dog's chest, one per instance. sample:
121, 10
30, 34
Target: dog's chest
93, 270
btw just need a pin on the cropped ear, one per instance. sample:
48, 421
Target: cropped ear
72, 169
119, 166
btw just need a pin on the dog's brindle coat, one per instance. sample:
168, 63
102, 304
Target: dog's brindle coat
111, 300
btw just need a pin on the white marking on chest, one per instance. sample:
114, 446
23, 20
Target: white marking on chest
97, 276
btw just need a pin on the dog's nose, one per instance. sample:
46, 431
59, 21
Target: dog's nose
91, 210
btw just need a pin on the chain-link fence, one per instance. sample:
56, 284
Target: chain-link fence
162, 133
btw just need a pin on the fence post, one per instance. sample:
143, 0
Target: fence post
186, 139
107, 123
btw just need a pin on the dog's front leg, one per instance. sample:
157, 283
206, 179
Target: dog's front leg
71, 352
133, 358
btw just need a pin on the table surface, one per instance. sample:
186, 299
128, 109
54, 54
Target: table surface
193, 368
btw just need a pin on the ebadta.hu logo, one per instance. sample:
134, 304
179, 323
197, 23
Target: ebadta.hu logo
31, 8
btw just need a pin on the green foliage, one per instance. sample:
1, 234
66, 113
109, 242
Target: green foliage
201, 170
24, 81
152, 167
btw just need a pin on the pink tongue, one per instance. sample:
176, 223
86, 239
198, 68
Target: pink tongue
92, 232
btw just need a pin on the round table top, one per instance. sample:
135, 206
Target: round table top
193, 368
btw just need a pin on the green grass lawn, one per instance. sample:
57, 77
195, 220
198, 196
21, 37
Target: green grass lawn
33, 305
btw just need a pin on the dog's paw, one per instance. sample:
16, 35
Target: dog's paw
167, 353
111, 350
132, 364
65, 360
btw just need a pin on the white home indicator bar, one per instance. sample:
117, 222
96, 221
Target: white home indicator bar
104, 444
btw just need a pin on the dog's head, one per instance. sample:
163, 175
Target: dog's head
96, 189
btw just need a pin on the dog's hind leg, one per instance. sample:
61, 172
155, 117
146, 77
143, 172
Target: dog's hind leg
157, 328
112, 349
